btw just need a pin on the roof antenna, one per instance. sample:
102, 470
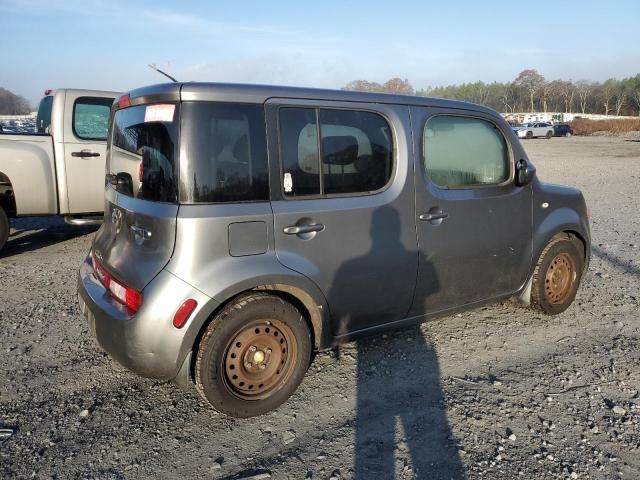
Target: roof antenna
154, 67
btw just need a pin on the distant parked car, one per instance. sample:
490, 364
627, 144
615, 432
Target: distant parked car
534, 129
562, 130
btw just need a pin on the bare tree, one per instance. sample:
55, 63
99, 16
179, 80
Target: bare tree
636, 98
398, 85
363, 86
568, 91
531, 81
606, 93
506, 97
584, 90
621, 97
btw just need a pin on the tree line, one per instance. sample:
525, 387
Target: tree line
12, 104
530, 91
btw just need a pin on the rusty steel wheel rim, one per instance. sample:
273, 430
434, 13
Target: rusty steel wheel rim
259, 359
560, 278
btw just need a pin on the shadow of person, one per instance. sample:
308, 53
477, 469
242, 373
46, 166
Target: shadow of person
401, 427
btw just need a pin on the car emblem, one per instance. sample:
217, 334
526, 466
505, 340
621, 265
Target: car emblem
116, 219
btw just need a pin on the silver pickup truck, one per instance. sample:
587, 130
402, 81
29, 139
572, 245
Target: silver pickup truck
59, 170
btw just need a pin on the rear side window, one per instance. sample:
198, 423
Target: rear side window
334, 152
143, 152
463, 152
43, 120
91, 118
224, 154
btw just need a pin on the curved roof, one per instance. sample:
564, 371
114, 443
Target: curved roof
246, 93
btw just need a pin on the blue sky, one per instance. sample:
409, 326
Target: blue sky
107, 44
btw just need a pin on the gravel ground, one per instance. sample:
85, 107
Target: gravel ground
498, 392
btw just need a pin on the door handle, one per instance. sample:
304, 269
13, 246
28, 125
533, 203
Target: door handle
85, 153
298, 229
430, 217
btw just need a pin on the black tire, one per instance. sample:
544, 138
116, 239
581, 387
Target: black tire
529, 134
4, 228
549, 134
557, 274
220, 356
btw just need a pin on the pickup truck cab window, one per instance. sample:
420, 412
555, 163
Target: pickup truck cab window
462, 152
91, 118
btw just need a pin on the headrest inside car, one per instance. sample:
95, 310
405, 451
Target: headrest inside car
339, 150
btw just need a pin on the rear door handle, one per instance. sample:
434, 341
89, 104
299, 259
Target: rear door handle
429, 217
298, 229
85, 153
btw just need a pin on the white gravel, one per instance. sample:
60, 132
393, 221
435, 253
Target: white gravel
499, 392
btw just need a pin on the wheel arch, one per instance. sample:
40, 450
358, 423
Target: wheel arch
313, 309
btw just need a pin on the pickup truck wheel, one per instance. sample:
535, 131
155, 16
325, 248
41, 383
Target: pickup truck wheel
253, 356
568, 134
529, 134
557, 275
4, 228
549, 134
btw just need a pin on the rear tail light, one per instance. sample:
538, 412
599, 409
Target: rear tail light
184, 312
123, 101
588, 215
118, 290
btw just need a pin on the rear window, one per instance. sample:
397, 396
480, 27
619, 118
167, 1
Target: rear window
43, 120
143, 152
91, 117
224, 155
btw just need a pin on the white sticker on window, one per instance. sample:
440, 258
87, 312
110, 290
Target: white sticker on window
159, 113
288, 183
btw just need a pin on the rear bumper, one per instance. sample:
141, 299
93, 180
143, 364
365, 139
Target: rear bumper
146, 342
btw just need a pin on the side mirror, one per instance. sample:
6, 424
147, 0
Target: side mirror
525, 172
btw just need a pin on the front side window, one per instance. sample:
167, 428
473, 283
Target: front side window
334, 151
91, 118
224, 153
143, 152
464, 152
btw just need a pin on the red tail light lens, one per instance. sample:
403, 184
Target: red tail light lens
118, 290
124, 101
184, 312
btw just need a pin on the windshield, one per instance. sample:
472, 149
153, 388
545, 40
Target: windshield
43, 120
143, 152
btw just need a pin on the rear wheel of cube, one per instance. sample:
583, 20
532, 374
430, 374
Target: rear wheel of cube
253, 355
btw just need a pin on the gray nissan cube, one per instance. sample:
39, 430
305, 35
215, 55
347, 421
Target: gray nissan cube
248, 226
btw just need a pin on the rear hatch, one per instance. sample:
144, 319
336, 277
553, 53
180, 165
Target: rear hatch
137, 237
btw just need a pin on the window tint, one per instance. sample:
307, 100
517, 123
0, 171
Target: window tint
142, 154
43, 120
91, 118
299, 151
224, 153
355, 151
459, 152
